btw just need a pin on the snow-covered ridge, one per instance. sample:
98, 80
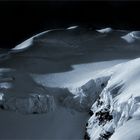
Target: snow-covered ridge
27, 43
129, 37
105, 30
132, 36
118, 104
72, 27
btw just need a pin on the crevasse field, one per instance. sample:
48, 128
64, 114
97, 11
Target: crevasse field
72, 84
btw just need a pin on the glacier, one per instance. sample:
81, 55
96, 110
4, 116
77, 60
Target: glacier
73, 83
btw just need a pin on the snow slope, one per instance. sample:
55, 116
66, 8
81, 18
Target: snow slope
71, 79
56, 77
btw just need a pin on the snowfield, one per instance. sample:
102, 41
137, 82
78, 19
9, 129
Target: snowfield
71, 84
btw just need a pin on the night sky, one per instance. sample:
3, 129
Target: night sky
22, 19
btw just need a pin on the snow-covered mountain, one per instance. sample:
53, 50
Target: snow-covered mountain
132, 36
73, 83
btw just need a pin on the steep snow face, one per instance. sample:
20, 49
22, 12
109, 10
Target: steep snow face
129, 131
119, 103
83, 97
127, 76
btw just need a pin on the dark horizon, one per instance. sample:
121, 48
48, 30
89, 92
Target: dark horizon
22, 19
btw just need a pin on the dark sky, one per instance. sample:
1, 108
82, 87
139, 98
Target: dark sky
22, 19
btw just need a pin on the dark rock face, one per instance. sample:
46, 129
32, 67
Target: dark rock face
103, 116
106, 135
2, 107
90, 113
86, 137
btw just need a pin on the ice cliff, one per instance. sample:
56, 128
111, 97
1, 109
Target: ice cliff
117, 108
31, 104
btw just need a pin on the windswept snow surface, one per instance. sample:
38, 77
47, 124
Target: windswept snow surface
50, 82
71, 79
